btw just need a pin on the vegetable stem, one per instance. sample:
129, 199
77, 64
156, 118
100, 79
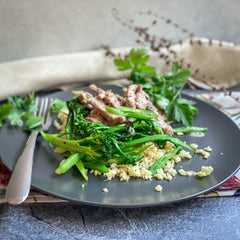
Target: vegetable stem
189, 129
82, 169
96, 166
157, 137
68, 163
162, 160
132, 113
69, 145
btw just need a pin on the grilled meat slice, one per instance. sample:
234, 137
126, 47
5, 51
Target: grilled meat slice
88, 100
108, 97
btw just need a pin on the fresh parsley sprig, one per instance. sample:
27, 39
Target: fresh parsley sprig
19, 111
164, 90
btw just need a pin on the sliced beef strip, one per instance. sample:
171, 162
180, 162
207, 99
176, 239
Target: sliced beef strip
130, 96
88, 100
84, 99
95, 116
142, 98
135, 97
98, 91
108, 97
167, 129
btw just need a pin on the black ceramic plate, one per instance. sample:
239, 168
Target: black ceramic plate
222, 135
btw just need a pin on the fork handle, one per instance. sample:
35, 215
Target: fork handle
20, 181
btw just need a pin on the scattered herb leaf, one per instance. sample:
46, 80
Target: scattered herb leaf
57, 105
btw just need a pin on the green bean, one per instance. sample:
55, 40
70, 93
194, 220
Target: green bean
68, 163
189, 129
138, 113
118, 128
68, 128
96, 166
162, 160
132, 113
82, 169
139, 150
157, 137
157, 127
115, 111
117, 160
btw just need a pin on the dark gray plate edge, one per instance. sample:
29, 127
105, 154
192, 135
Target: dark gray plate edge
95, 204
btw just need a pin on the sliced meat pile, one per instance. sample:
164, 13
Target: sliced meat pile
136, 97
133, 97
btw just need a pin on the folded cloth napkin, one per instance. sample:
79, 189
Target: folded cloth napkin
212, 63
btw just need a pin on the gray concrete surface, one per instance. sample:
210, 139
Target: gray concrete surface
37, 28
212, 218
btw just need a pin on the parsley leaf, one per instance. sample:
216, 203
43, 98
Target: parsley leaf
122, 64
57, 105
17, 102
4, 111
30, 102
161, 101
179, 79
15, 117
175, 67
32, 122
138, 56
181, 110
137, 60
19, 111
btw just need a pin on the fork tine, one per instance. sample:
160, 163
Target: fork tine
36, 104
40, 111
48, 114
45, 107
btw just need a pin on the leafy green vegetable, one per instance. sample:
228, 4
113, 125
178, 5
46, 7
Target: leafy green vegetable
123, 64
57, 105
180, 112
15, 117
4, 111
164, 90
16, 102
31, 121
19, 111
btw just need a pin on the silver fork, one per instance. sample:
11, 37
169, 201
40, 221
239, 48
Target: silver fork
19, 185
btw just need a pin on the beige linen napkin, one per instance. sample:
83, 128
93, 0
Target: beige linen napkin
209, 60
